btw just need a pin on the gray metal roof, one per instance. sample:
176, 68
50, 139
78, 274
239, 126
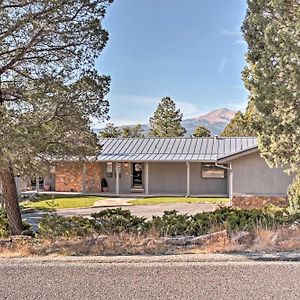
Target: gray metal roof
172, 149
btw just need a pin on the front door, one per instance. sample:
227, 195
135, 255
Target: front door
137, 175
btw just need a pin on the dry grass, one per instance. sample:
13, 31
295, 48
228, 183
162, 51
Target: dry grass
282, 239
261, 240
118, 244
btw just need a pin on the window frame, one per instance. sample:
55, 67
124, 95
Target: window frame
214, 168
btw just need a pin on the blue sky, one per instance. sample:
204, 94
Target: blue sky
192, 51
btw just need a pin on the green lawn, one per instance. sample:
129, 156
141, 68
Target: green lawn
160, 200
55, 202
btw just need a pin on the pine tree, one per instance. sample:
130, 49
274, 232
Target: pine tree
202, 131
242, 124
272, 31
110, 131
166, 121
49, 88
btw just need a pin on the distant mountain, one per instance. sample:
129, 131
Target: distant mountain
215, 121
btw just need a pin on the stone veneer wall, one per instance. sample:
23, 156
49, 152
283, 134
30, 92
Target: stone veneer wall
256, 201
69, 177
93, 177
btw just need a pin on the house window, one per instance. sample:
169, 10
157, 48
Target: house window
109, 169
212, 171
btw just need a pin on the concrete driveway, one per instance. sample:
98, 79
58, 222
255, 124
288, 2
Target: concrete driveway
146, 211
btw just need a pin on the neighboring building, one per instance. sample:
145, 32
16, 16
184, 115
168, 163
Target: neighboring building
202, 167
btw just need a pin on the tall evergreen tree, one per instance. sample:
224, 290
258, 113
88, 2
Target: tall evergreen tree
242, 124
110, 131
272, 76
166, 121
48, 86
202, 131
236, 126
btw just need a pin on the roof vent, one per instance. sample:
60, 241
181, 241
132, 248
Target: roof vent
216, 137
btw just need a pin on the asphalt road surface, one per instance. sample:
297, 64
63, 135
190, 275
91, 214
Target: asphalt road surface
168, 277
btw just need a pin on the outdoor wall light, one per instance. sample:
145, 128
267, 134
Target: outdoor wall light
126, 168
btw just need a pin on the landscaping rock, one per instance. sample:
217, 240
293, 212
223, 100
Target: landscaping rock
20, 238
28, 210
4, 242
209, 238
178, 241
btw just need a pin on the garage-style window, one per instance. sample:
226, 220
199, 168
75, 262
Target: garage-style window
212, 171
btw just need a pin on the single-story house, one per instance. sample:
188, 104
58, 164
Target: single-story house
202, 167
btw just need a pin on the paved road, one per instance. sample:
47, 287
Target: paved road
169, 277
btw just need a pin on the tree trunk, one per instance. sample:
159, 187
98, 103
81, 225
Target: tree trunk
10, 197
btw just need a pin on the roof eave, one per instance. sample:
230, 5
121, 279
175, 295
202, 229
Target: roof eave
236, 155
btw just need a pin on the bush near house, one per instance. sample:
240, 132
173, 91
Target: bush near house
4, 229
294, 194
116, 221
4, 226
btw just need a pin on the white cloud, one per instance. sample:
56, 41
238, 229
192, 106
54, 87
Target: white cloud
189, 109
222, 64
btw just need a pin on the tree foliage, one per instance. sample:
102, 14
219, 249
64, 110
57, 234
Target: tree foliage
294, 194
166, 121
49, 88
202, 131
135, 131
272, 76
110, 131
242, 124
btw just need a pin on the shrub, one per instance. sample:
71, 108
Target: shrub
52, 226
4, 227
172, 224
294, 194
118, 220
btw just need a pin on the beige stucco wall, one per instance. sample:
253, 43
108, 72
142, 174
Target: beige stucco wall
171, 178
206, 186
252, 176
167, 178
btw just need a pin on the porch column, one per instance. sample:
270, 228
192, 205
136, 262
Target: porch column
117, 179
37, 180
230, 183
146, 178
84, 178
188, 175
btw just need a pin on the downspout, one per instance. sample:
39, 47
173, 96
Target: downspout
230, 188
